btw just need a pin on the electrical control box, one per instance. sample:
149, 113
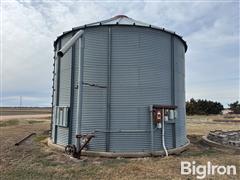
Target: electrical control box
164, 112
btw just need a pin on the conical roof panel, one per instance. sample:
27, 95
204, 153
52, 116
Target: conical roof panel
124, 20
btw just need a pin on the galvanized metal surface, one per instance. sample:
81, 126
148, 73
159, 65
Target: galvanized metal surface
77, 90
122, 20
73, 77
95, 71
179, 69
65, 76
108, 124
138, 73
55, 92
64, 89
70, 43
54, 96
141, 72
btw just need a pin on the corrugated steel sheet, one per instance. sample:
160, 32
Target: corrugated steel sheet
95, 61
122, 20
65, 76
140, 76
76, 85
64, 89
179, 57
62, 135
55, 92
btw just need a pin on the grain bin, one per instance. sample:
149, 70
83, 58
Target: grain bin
123, 81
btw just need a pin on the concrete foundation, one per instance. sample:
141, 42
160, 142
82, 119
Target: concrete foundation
125, 155
227, 139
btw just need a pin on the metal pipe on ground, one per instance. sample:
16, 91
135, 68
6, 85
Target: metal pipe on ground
70, 43
28, 136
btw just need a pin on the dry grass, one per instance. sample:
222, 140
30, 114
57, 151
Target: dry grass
34, 160
201, 125
11, 122
10, 111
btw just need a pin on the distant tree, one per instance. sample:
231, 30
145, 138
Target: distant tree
203, 107
235, 107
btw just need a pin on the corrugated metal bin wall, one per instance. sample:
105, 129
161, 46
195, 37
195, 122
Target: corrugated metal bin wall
125, 69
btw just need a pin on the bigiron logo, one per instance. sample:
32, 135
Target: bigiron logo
201, 171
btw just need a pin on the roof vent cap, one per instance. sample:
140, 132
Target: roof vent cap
120, 16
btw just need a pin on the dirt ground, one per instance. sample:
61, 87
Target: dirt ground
33, 159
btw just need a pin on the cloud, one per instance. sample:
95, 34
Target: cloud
29, 29
212, 62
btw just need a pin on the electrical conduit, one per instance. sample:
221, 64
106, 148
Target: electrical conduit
163, 133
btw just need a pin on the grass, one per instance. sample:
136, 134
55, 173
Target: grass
34, 122
37, 161
47, 162
201, 125
28, 174
209, 152
15, 122
43, 166
40, 138
115, 162
12, 122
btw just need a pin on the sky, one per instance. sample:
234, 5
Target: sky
28, 29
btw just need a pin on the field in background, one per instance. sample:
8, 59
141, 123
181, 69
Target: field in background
34, 160
11, 111
201, 125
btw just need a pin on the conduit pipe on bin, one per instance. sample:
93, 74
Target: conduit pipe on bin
163, 133
77, 143
70, 43
79, 94
151, 124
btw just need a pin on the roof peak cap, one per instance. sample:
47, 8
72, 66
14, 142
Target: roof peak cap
120, 16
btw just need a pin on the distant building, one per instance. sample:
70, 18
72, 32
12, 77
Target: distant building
227, 111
